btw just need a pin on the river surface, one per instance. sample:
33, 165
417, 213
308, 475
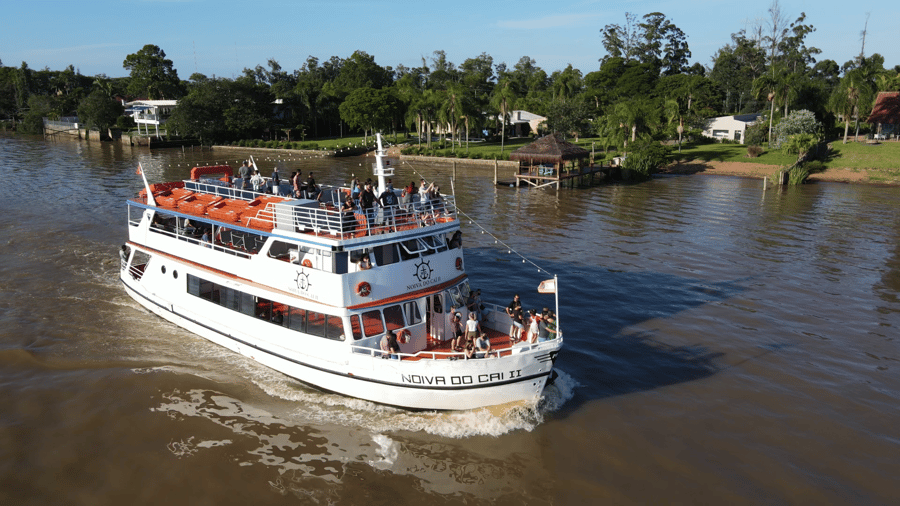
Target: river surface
723, 345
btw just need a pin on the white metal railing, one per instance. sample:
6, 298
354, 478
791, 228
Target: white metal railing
376, 351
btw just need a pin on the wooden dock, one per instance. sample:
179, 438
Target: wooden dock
538, 177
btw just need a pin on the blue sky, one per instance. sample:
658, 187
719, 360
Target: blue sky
222, 37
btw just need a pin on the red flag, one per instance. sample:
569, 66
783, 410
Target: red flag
138, 171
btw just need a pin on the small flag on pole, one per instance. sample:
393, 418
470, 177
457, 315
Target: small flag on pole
547, 286
138, 171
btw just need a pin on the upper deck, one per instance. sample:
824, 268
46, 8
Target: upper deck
319, 220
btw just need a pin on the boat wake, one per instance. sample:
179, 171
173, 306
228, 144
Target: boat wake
325, 408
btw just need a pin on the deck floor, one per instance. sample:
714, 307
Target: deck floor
501, 345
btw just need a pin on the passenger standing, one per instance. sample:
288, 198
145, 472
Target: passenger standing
244, 172
257, 181
388, 201
367, 204
298, 186
456, 329
354, 188
533, 330
312, 189
511, 312
348, 218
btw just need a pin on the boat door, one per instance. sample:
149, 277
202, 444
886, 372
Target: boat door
436, 321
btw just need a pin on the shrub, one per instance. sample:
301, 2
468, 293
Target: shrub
797, 122
797, 175
646, 156
757, 134
288, 145
476, 156
754, 151
242, 143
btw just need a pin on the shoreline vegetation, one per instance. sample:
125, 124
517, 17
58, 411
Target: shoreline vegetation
854, 162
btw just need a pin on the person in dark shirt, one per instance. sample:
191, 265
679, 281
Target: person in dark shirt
367, 204
388, 201
393, 346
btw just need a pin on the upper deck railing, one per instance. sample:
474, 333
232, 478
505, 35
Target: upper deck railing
320, 216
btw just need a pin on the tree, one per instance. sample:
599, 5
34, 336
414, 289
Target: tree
664, 41
566, 84
369, 109
100, 110
503, 100
798, 122
152, 74
567, 117
621, 41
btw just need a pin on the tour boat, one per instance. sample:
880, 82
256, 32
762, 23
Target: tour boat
310, 291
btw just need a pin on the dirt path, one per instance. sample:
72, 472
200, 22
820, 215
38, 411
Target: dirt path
760, 171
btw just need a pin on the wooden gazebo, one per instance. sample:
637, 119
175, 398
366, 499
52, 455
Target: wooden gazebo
550, 155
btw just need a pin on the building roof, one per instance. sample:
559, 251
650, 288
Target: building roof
549, 148
886, 108
153, 103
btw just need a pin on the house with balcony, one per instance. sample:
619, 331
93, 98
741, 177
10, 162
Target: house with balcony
150, 113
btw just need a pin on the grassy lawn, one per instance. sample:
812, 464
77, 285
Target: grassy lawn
859, 155
730, 153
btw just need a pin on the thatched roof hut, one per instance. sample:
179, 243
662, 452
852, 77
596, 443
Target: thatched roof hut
886, 109
549, 149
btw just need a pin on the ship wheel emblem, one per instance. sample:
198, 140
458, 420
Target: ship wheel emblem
303, 281
423, 271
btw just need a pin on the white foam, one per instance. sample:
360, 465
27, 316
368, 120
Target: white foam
388, 450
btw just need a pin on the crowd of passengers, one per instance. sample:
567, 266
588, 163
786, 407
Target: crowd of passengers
424, 203
468, 336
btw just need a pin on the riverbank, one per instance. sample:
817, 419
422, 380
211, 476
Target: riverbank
759, 171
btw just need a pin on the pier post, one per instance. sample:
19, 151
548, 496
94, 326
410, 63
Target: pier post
495, 172
454, 170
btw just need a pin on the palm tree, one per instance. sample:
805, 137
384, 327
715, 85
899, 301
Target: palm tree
503, 100
843, 102
766, 86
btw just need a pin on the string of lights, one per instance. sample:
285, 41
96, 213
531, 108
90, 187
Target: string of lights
509, 249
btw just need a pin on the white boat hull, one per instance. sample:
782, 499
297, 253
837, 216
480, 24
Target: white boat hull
420, 384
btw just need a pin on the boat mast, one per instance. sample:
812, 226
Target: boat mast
380, 171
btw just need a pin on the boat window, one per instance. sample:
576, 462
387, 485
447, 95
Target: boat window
393, 317
334, 328
297, 319
438, 303
231, 298
411, 249
372, 323
280, 314
434, 244
280, 249
464, 289
357, 254
315, 323
455, 297
209, 291
355, 327
263, 309
412, 313
386, 254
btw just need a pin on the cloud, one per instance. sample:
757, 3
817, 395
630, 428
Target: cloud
552, 21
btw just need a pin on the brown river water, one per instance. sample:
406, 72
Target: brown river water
723, 345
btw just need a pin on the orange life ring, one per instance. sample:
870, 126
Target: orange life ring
459, 263
403, 337
307, 263
364, 289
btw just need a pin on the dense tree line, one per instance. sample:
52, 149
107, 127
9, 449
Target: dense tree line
643, 88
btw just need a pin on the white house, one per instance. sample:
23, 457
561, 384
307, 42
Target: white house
524, 123
730, 127
150, 112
